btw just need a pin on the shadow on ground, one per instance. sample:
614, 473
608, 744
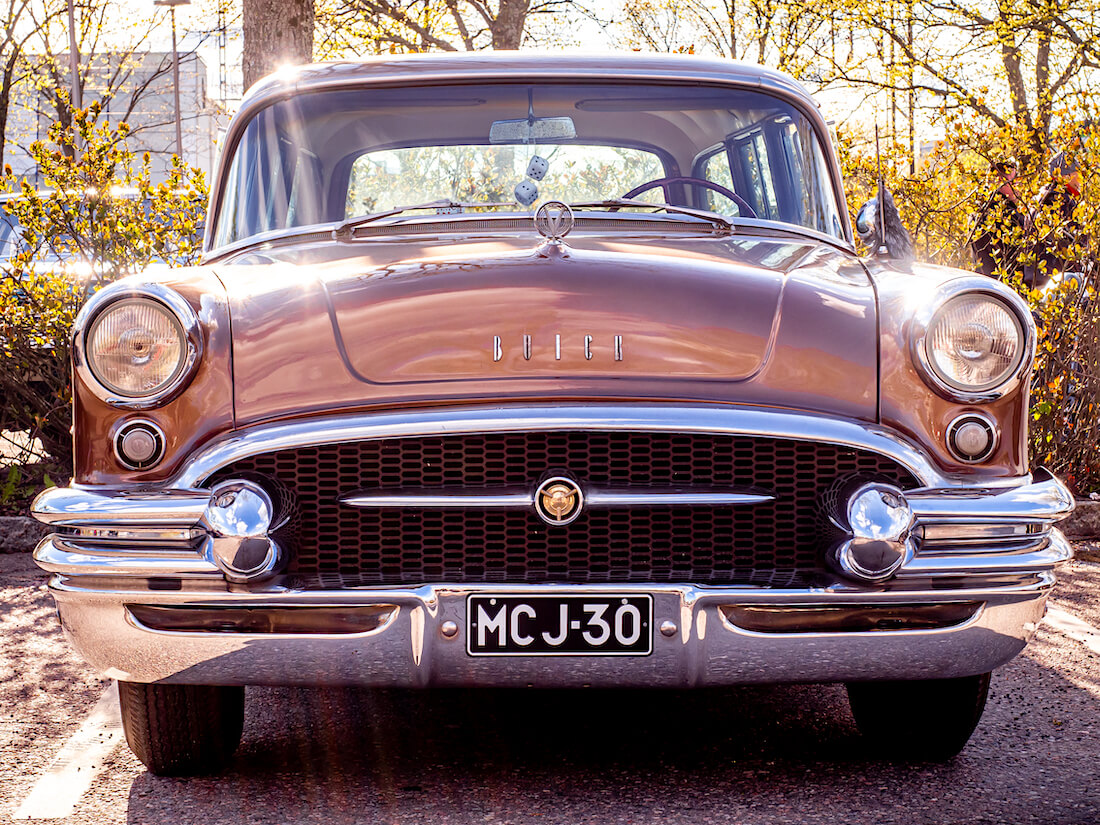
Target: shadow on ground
744, 755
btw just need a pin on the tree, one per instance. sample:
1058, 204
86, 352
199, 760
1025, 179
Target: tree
14, 35
785, 34
1010, 64
276, 33
398, 26
70, 239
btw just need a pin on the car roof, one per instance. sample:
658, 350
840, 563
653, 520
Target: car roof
472, 66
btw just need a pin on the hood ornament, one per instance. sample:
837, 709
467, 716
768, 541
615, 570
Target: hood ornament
554, 220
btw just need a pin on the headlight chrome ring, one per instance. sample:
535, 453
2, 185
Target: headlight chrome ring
924, 327
155, 298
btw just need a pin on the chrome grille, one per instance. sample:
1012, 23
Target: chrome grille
776, 544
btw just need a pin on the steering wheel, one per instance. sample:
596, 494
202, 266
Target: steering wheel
742, 205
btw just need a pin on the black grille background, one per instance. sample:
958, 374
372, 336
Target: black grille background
777, 544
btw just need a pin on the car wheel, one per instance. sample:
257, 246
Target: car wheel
182, 730
919, 720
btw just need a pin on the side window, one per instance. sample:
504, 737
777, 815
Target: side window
259, 192
716, 168
808, 169
753, 154
304, 205
793, 148
234, 220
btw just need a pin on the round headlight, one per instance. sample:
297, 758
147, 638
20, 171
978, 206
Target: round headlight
974, 343
136, 347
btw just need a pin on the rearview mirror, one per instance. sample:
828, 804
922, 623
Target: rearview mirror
882, 231
532, 130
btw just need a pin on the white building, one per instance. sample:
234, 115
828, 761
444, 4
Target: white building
137, 88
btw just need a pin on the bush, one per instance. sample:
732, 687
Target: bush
942, 203
99, 217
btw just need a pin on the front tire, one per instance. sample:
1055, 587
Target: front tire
182, 730
919, 720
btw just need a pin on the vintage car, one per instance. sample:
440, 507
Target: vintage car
553, 371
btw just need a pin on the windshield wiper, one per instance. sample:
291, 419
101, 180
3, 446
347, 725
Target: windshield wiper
721, 220
343, 232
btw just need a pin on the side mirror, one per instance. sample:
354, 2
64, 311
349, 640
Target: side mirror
895, 242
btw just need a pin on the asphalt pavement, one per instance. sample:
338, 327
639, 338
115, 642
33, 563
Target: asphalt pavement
767, 754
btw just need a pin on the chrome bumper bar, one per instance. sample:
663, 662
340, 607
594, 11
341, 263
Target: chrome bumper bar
71, 557
417, 637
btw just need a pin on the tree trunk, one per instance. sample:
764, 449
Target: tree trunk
1043, 102
276, 33
731, 17
507, 28
5, 100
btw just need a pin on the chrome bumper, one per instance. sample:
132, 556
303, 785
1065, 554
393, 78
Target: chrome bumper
409, 644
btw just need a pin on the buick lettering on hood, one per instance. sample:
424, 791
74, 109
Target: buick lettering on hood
514, 370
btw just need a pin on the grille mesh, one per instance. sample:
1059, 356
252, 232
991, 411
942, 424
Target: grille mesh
777, 544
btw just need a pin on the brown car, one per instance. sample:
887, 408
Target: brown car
556, 371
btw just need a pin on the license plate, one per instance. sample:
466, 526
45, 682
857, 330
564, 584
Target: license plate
533, 625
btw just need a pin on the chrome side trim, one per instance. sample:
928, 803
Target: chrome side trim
55, 554
1051, 551
144, 535
277, 592
98, 507
1045, 500
440, 500
695, 418
670, 498
444, 499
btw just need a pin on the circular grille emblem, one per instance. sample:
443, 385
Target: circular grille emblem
554, 220
558, 500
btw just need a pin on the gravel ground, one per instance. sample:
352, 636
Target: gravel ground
787, 754
45, 688
1079, 588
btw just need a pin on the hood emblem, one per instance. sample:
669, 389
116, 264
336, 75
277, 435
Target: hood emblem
589, 350
558, 500
554, 220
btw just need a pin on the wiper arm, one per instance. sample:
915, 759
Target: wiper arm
343, 232
713, 217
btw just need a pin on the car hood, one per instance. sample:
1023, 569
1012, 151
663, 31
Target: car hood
778, 321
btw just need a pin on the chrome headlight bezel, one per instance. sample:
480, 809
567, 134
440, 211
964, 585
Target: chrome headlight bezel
925, 364
176, 306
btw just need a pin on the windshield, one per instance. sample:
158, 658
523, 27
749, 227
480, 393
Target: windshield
324, 157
